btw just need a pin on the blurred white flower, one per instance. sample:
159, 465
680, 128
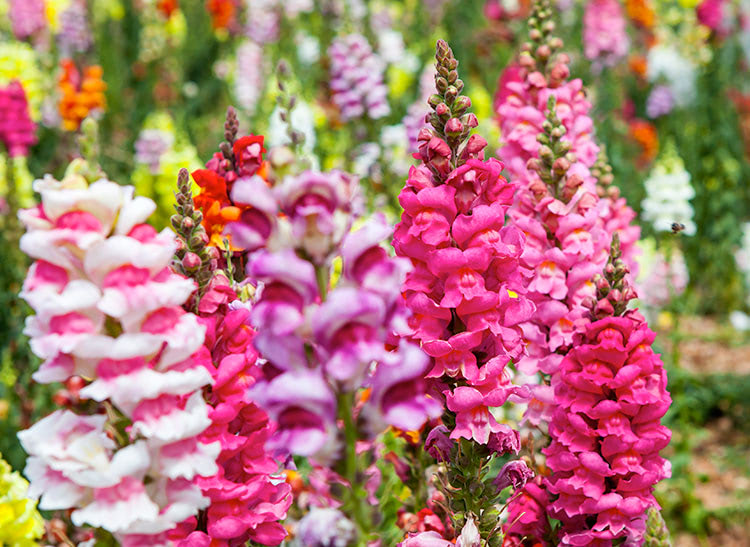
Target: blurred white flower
666, 63
302, 120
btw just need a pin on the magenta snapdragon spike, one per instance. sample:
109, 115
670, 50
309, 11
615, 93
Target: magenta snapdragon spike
466, 290
17, 131
27, 17
248, 496
357, 79
606, 434
605, 39
108, 309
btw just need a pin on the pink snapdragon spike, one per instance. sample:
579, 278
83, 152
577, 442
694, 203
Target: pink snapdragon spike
357, 79
565, 203
17, 131
466, 289
605, 39
610, 395
108, 309
249, 496
466, 292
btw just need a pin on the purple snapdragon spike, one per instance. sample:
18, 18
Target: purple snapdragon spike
328, 316
357, 79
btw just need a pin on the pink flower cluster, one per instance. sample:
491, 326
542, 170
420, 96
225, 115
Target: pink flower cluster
318, 338
466, 289
357, 78
17, 131
248, 496
605, 39
27, 17
566, 244
108, 309
568, 228
606, 433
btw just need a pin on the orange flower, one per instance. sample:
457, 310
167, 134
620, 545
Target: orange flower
646, 136
638, 65
222, 13
78, 97
641, 12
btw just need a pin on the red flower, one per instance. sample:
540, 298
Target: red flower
248, 155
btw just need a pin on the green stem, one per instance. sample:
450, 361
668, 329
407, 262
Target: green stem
355, 497
322, 275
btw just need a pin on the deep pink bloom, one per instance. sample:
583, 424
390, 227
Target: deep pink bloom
610, 395
17, 131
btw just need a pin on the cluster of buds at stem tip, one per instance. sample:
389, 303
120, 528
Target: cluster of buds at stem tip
657, 533
450, 118
554, 158
613, 291
602, 172
541, 56
231, 127
194, 258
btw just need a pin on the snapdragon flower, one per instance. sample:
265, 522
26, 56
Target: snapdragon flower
108, 309
668, 194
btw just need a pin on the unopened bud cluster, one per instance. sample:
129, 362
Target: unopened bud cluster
194, 258
539, 56
602, 172
613, 292
450, 117
554, 158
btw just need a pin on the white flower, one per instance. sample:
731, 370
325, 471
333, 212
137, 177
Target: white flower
308, 48
664, 61
302, 120
469, 535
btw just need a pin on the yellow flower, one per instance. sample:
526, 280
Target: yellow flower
53, 9
18, 61
21, 525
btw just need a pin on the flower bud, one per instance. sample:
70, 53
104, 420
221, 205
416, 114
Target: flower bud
604, 308
191, 262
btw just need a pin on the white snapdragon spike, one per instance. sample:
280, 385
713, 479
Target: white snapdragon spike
109, 309
668, 195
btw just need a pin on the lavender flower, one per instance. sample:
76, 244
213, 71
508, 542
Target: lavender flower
325, 528
75, 34
150, 146
357, 78
263, 20
660, 101
248, 76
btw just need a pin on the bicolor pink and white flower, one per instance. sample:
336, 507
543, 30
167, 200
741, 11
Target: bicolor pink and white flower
108, 309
